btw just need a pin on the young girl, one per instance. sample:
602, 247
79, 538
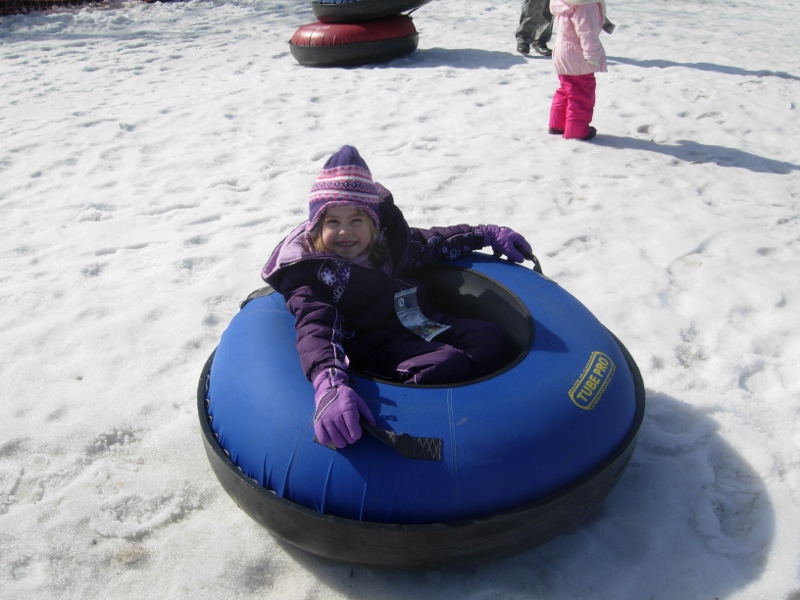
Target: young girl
343, 275
577, 56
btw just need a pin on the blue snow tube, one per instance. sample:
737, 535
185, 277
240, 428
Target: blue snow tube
481, 469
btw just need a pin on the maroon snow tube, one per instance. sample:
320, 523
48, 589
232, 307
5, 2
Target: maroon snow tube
354, 11
351, 44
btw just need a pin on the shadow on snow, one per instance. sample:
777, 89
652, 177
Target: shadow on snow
688, 495
697, 153
702, 66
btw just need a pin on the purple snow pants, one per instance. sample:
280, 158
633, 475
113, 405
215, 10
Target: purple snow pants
573, 105
469, 349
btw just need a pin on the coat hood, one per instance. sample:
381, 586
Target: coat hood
296, 246
559, 7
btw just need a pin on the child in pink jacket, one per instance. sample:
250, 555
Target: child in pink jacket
577, 56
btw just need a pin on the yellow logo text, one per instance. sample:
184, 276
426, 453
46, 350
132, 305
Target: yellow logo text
590, 386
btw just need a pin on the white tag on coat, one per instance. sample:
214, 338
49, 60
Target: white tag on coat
407, 308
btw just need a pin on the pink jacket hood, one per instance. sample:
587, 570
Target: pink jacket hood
570, 3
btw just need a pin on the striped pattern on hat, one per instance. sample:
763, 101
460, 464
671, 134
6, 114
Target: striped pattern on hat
345, 180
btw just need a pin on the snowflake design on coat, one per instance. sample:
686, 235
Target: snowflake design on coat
438, 249
339, 333
335, 274
327, 276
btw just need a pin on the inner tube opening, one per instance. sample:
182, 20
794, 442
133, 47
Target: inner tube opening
470, 294
467, 294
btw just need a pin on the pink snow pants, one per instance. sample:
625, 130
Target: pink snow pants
573, 105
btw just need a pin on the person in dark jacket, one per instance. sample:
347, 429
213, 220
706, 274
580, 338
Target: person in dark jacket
345, 275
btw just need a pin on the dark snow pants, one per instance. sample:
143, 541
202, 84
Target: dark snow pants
535, 22
469, 349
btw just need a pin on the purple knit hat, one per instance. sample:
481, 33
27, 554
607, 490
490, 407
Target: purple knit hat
345, 180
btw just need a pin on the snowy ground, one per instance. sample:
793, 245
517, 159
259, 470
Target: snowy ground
151, 155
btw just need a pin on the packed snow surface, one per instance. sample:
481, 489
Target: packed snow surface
152, 155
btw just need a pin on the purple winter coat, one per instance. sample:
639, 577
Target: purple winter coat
343, 309
579, 24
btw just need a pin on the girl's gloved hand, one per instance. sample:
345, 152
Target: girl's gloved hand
505, 240
338, 409
594, 61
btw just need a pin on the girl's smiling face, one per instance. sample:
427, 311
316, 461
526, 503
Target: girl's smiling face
346, 231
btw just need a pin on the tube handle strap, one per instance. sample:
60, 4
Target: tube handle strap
416, 448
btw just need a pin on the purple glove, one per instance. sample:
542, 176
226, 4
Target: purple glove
338, 410
505, 240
